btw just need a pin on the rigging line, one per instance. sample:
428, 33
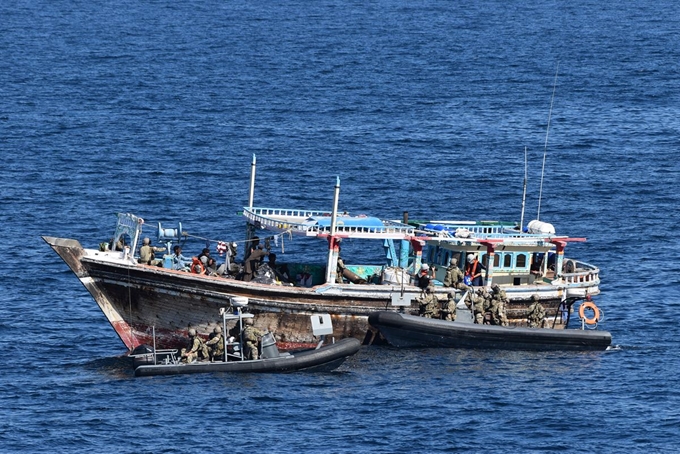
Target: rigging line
545, 147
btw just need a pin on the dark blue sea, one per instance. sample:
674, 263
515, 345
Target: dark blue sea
425, 106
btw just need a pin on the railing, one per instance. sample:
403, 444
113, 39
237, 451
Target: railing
589, 276
294, 221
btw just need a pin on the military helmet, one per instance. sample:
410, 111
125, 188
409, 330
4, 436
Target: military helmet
146, 240
249, 321
192, 332
495, 287
217, 330
454, 261
535, 297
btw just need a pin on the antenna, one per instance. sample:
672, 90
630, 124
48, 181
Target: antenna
545, 147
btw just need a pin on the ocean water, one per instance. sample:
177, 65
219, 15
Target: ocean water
157, 108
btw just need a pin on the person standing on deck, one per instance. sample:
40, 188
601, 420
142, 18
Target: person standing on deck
449, 308
536, 313
216, 345
251, 338
425, 275
454, 276
428, 303
474, 269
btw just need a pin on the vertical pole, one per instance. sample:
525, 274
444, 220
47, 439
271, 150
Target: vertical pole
332, 262
252, 182
559, 260
250, 229
491, 258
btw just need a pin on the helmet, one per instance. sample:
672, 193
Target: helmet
425, 267
496, 288
146, 240
192, 332
249, 321
217, 330
454, 261
470, 258
535, 297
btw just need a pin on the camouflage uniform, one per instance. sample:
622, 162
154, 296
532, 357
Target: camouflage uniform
216, 345
497, 308
536, 315
454, 277
478, 303
251, 336
195, 349
429, 304
449, 308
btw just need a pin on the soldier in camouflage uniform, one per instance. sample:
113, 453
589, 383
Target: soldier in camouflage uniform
251, 337
536, 314
454, 276
428, 303
497, 308
195, 350
449, 308
477, 305
216, 345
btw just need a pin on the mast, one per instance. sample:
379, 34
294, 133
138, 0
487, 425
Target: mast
250, 229
545, 147
331, 265
252, 182
524, 192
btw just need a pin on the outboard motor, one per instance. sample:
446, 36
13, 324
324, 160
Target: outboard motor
269, 348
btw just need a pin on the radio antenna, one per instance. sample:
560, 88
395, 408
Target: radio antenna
545, 147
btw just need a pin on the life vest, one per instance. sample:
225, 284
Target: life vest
196, 266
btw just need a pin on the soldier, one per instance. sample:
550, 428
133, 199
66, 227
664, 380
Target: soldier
477, 305
147, 252
536, 314
497, 307
454, 276
449, 308
195, 348
429, 304
251, 336
216, 345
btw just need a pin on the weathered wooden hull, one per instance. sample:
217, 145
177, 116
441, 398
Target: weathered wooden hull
139, 300
407, 331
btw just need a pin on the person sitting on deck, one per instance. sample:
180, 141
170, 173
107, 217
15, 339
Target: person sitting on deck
210, 264
147, 252
195, 349
180, 262
216, 345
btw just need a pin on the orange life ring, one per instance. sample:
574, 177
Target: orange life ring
197, 266
596, 313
